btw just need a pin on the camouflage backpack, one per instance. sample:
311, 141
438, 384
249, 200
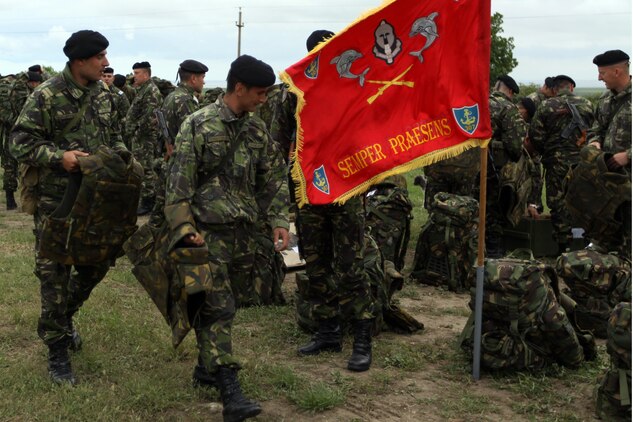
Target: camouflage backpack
389, 217
97, 213
596, 197
164, 86
613, 393
447, 246
384, 280
210, 95
515, 187
523, 325
5, 103
597, 282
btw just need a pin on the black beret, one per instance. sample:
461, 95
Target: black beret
34, 76
84, 44
35, 68
119, 80
529, 105
610, 57
108, 70
549, 82
141, 65
560, 78
317, 37
253, 72
509, 82
193, 66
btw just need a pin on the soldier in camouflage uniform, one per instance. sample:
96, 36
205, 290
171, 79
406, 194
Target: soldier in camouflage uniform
121, 102
558, 136
279, 115
509, 130
456, 175
142, 131
9, 165
527, 109
333, 247
121, 82
69, 116
611, 130
224, 172
210, 95
543, 93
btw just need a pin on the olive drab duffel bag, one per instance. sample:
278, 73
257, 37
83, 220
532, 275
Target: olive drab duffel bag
523, 325
597, 197
98, 211
447, 247
613, 393
597, 282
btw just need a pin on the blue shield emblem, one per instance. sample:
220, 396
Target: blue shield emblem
467, 118
319, 180
312, 71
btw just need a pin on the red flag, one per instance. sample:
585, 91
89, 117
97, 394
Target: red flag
404, 86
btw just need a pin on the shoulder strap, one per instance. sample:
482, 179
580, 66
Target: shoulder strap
74, 121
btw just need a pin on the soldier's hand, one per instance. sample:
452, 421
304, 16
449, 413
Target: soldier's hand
533, 211
280, 238
618, 160
595, 145
70, 162
193, 239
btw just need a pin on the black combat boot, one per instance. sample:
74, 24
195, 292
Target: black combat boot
147, 204
11, 204
327, 338
236, 406
361, 353
75, 339
202, 377
59, 363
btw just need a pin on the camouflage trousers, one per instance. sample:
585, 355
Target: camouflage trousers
231, 258
9, 164
555, 196
267, 274
145, 155
63, 289
536, 173
332, 244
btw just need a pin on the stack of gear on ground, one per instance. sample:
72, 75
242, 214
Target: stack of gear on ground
524, 323
599, 200
597, 282
98, 211
385, 280
613, 393
447, 246
389, 217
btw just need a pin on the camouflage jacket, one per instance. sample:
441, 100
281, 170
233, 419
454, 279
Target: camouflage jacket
178, 105
249, 183
612, 127
509, 130
36, 141
121, 103
210, 95
141, 126
537, 97
279, 115
5, 104
552, 117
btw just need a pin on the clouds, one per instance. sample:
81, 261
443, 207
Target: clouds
550, 37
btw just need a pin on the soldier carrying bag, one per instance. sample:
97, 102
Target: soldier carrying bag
97, 213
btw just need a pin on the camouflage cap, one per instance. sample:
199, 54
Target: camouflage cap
84, 44
610, 57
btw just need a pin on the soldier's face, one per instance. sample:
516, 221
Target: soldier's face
608, 75
252, 97
107, 78
91, 68
140, 76
197, 82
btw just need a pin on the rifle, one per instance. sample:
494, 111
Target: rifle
167, 139
577, 122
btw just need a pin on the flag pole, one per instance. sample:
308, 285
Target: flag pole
479, 287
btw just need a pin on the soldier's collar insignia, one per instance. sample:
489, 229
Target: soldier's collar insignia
467, 118
319, 180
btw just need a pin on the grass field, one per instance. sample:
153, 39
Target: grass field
128, 370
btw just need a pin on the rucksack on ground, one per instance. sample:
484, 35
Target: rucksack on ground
447, 247
613, 393
523, 325
384, 279
597, 282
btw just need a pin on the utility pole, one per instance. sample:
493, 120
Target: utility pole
239, 25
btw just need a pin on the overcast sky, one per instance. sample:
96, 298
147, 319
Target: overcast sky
550, 36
